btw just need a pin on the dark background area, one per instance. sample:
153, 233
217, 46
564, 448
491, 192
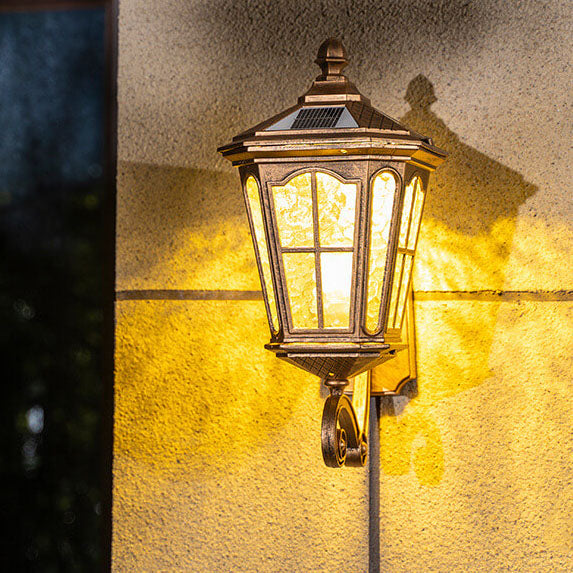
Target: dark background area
55, 179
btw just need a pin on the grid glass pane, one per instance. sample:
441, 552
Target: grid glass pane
261, 250
293, 208
383, 193
417, 213
395, 290
301, 285
336, 211
406, 211
336, 272
403, 290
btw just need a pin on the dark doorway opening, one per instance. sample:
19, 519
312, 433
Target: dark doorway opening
57, 181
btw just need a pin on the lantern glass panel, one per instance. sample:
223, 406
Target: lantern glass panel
409, 228
336, 271
316, 220
382, 201
336, 211
261, 249
404, 282
417, 213
301, 285
406, 212
395, 290
293, 208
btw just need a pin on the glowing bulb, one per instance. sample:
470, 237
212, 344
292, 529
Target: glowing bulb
336, 272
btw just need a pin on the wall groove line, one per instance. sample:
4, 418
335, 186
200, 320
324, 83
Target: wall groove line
434, 295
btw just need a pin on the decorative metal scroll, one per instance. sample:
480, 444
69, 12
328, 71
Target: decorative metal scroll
344, 433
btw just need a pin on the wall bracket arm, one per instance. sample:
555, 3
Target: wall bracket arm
345, 424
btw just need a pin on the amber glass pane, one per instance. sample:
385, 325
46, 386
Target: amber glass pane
301, 284
336, 272
406, 212
383, 192
417, 213
336, 211
395, 290
403, 291
261, 251
293, 208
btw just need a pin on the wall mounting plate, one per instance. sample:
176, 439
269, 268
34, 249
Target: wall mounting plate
388, 378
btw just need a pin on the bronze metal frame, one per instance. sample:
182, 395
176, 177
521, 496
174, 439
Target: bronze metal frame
351, 154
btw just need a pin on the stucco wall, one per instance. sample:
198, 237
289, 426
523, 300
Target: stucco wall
217, 461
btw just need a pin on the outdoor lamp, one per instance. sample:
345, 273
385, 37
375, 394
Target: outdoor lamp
334, 191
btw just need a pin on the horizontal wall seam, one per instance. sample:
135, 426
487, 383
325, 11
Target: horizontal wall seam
419, 295
495, 295
163, 294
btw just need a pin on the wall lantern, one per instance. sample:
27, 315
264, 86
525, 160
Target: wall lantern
334, 191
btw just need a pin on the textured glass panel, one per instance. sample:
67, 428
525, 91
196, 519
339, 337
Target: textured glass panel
301, 285
403, 290
336, 211
336, 272
395, 289
406, 211
293, 207
261, 250
417, 213
360, 398
383, 191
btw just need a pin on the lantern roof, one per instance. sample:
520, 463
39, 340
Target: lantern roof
332, 119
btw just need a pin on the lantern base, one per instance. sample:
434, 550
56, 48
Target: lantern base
332, 361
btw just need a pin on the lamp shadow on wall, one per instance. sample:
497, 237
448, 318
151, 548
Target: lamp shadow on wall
181, 228
465, 242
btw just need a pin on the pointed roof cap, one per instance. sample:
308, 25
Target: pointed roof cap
332, 108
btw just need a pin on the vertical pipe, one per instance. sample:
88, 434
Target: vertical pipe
374, 487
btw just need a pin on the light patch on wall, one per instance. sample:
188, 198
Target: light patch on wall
449, 260
453, 340
194, 386
412, 441
453, 345
465, 243
533, 354
182, 229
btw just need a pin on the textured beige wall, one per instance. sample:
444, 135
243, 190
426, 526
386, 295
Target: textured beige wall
217, 456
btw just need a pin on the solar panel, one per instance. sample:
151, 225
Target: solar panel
317, 117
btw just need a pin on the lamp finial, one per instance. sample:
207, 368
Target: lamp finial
331, 58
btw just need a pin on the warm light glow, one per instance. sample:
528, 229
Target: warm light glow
175, 427
336, 211
404, 284
382, 201
336, 272
359, 397
409, 227
395, 290
260, 244
301, 285
417, 214
304, 232
293, 208
406, 211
